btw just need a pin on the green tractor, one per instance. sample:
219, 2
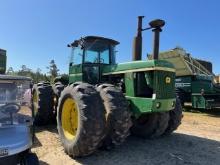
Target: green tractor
102, 101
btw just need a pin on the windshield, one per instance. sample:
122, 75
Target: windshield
15, 101
97, 52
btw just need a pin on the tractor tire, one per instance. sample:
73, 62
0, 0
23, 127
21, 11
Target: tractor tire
150, 125
43, 104
175, 118
118, 116
57, 89
80, 119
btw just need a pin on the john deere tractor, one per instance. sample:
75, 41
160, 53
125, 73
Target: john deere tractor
102, 101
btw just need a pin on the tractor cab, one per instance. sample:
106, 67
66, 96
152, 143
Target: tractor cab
87, 57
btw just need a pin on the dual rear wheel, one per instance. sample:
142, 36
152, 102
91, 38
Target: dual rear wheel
89, 118
156, 124
42, 103
80, 119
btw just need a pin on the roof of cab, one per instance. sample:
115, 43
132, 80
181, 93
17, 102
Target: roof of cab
93, 38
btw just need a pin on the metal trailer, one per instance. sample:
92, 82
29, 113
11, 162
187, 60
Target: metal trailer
195, 81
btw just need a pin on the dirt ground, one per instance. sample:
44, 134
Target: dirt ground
197, 142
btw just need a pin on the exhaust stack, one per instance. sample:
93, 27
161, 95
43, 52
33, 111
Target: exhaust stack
137, 43
156, 26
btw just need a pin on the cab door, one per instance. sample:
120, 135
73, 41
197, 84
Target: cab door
75, 66
91, 67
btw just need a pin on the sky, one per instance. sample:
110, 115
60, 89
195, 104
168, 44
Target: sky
36, 31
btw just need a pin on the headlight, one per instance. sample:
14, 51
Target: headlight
173, 104
158, 104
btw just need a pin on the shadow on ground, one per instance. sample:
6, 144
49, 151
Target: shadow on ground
36, 143
171, 150
50, 128
43, 163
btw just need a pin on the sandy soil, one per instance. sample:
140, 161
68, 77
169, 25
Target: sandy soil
197, 142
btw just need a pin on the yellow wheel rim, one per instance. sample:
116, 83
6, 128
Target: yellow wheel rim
69, 118
35, 101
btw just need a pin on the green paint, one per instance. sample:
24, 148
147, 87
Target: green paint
140, 105
136, 65
129, 84
198, 101
3, 59
162, 89
184, 82
204, 94
75, 78
75, 73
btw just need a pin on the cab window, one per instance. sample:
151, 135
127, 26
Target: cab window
97, 52
76, 56
91, 56
104, 56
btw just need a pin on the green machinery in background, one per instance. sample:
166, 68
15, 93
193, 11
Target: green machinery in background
101, 101
2, 61
195, 81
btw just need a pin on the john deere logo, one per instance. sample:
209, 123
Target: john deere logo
168, 80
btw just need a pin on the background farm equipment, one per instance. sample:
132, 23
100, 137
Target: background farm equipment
195, 81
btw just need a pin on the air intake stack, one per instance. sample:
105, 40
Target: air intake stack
156, 26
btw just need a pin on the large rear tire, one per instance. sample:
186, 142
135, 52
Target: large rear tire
57, 89
175, 118
118, 116
150, 125
80, 119
43, 103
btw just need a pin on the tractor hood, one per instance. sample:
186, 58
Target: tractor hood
138, 66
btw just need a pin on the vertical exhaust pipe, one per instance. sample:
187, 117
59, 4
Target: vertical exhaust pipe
137, 42
156, 26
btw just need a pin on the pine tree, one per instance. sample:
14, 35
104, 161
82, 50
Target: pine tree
53, 70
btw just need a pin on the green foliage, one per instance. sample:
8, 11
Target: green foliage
10, 71
37, 75
53, 70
